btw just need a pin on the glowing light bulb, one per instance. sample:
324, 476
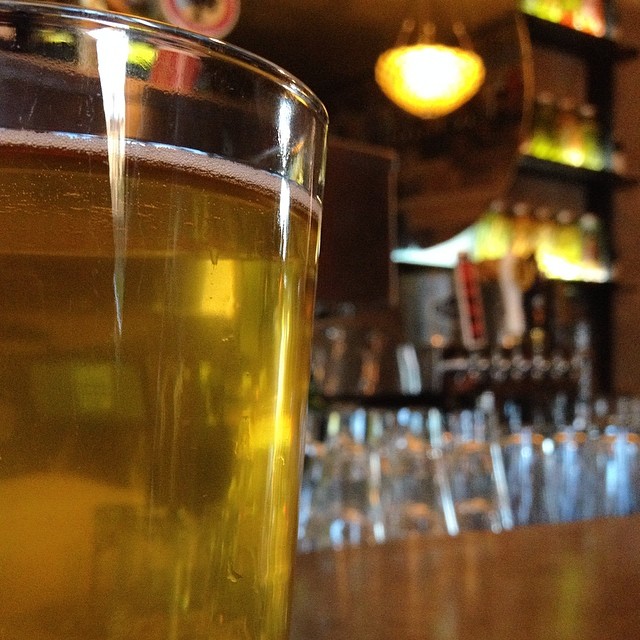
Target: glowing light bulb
429, 80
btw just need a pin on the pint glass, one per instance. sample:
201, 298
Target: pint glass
160, 198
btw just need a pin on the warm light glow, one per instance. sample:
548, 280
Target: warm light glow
429, 80
557, 268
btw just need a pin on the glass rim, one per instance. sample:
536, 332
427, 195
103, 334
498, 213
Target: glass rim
235, 53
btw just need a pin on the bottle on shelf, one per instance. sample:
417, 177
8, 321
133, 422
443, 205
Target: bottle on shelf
543, 141
546, 9
545, 233
564, 259
524, 231
618, 158
529, 6
566, 132
591, 18
592, 148
569, 133
493, 233
595, 256
570, 9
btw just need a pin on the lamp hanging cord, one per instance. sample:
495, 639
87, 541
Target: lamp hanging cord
461, 33
407, 29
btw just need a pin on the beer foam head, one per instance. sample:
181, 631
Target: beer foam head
163, 155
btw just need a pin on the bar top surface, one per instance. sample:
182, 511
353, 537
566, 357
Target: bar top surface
577, 581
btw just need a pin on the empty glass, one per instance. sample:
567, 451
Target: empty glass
524, 461
476, 470
612, 468
416, 495
568, 482
344, 507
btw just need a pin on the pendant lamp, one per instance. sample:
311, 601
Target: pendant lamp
429, 79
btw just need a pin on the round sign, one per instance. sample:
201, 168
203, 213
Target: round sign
213, 18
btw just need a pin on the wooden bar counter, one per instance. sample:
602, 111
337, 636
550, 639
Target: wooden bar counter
578, 581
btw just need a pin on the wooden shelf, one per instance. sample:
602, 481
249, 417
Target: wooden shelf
577, 42
575, 175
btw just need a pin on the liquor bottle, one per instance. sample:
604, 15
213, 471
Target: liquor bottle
569, 133
524, 231
592, 149
493, 233
616, 159
530, 6
595, 258
550, 10
567, 245
545, 234
570, 9
591, 18
543, 143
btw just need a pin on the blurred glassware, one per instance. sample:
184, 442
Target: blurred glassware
343, 481
378, 474
350, 362
476, 469
314, 448
612, 468
339, 372
566, 476
524, 467
416, 495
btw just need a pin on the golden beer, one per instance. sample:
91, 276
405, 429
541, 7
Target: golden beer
153, 375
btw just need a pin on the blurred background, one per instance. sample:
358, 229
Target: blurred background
549, 139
